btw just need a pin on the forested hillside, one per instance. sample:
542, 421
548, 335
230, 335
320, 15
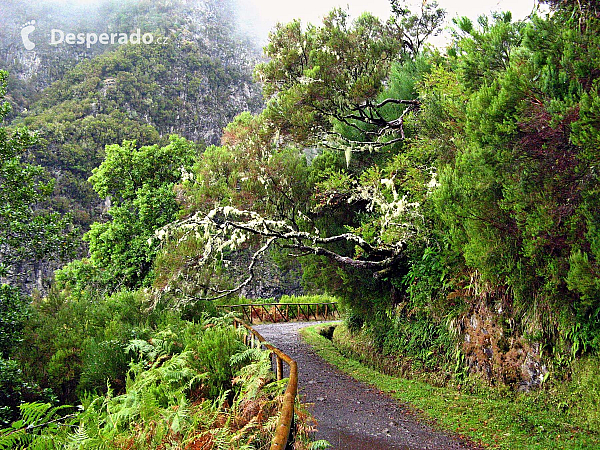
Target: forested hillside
109, 132
452, 207
192, 80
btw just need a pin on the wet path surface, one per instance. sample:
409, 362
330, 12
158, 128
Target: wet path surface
350, 414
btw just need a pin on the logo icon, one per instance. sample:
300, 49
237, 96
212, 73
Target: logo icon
26, 30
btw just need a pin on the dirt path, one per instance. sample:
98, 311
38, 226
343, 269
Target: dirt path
352, 415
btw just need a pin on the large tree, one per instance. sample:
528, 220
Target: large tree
322, 78
344, 84
138, 184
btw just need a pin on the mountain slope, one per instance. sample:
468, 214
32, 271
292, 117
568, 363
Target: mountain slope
191, 80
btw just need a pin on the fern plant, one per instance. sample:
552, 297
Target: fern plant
206, 390
40, 427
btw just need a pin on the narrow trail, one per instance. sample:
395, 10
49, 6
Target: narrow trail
350, 414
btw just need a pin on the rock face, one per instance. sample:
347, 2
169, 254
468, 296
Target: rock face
31, 276
274, 283
499, 353
36, 66
196, 58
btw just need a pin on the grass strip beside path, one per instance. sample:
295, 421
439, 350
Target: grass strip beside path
507, 423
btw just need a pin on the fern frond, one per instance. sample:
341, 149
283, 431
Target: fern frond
13, 438
34, 413
40, 427
180, 419
78, 437
44, 442
246, 356
141, 348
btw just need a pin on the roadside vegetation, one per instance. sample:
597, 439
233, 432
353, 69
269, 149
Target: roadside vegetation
560, 417
110, 375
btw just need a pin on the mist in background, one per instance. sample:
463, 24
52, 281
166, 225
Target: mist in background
258, 17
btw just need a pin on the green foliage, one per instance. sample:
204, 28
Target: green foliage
582, 279
139, 185
189, 86
13, 313
324, 73
82, 277
214, 351
516, 196
251, 172
103, 363
79, 346
27, 234
319, 298
75, 344
583, 393
127, 169
424, 278
35, 430
485, 52
14, 390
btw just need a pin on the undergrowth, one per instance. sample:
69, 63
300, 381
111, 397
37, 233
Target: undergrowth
318, 298
198, 388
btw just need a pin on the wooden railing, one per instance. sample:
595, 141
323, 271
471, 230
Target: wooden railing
283, 438
284, 312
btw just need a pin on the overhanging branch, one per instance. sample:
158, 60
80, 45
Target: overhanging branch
226, 228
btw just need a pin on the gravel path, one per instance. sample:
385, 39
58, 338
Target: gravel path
350, 414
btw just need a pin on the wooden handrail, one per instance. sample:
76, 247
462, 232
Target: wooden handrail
283, 431
276, 304
275, 311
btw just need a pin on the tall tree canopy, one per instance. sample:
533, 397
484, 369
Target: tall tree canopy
348, 84
138, 184
334, 74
